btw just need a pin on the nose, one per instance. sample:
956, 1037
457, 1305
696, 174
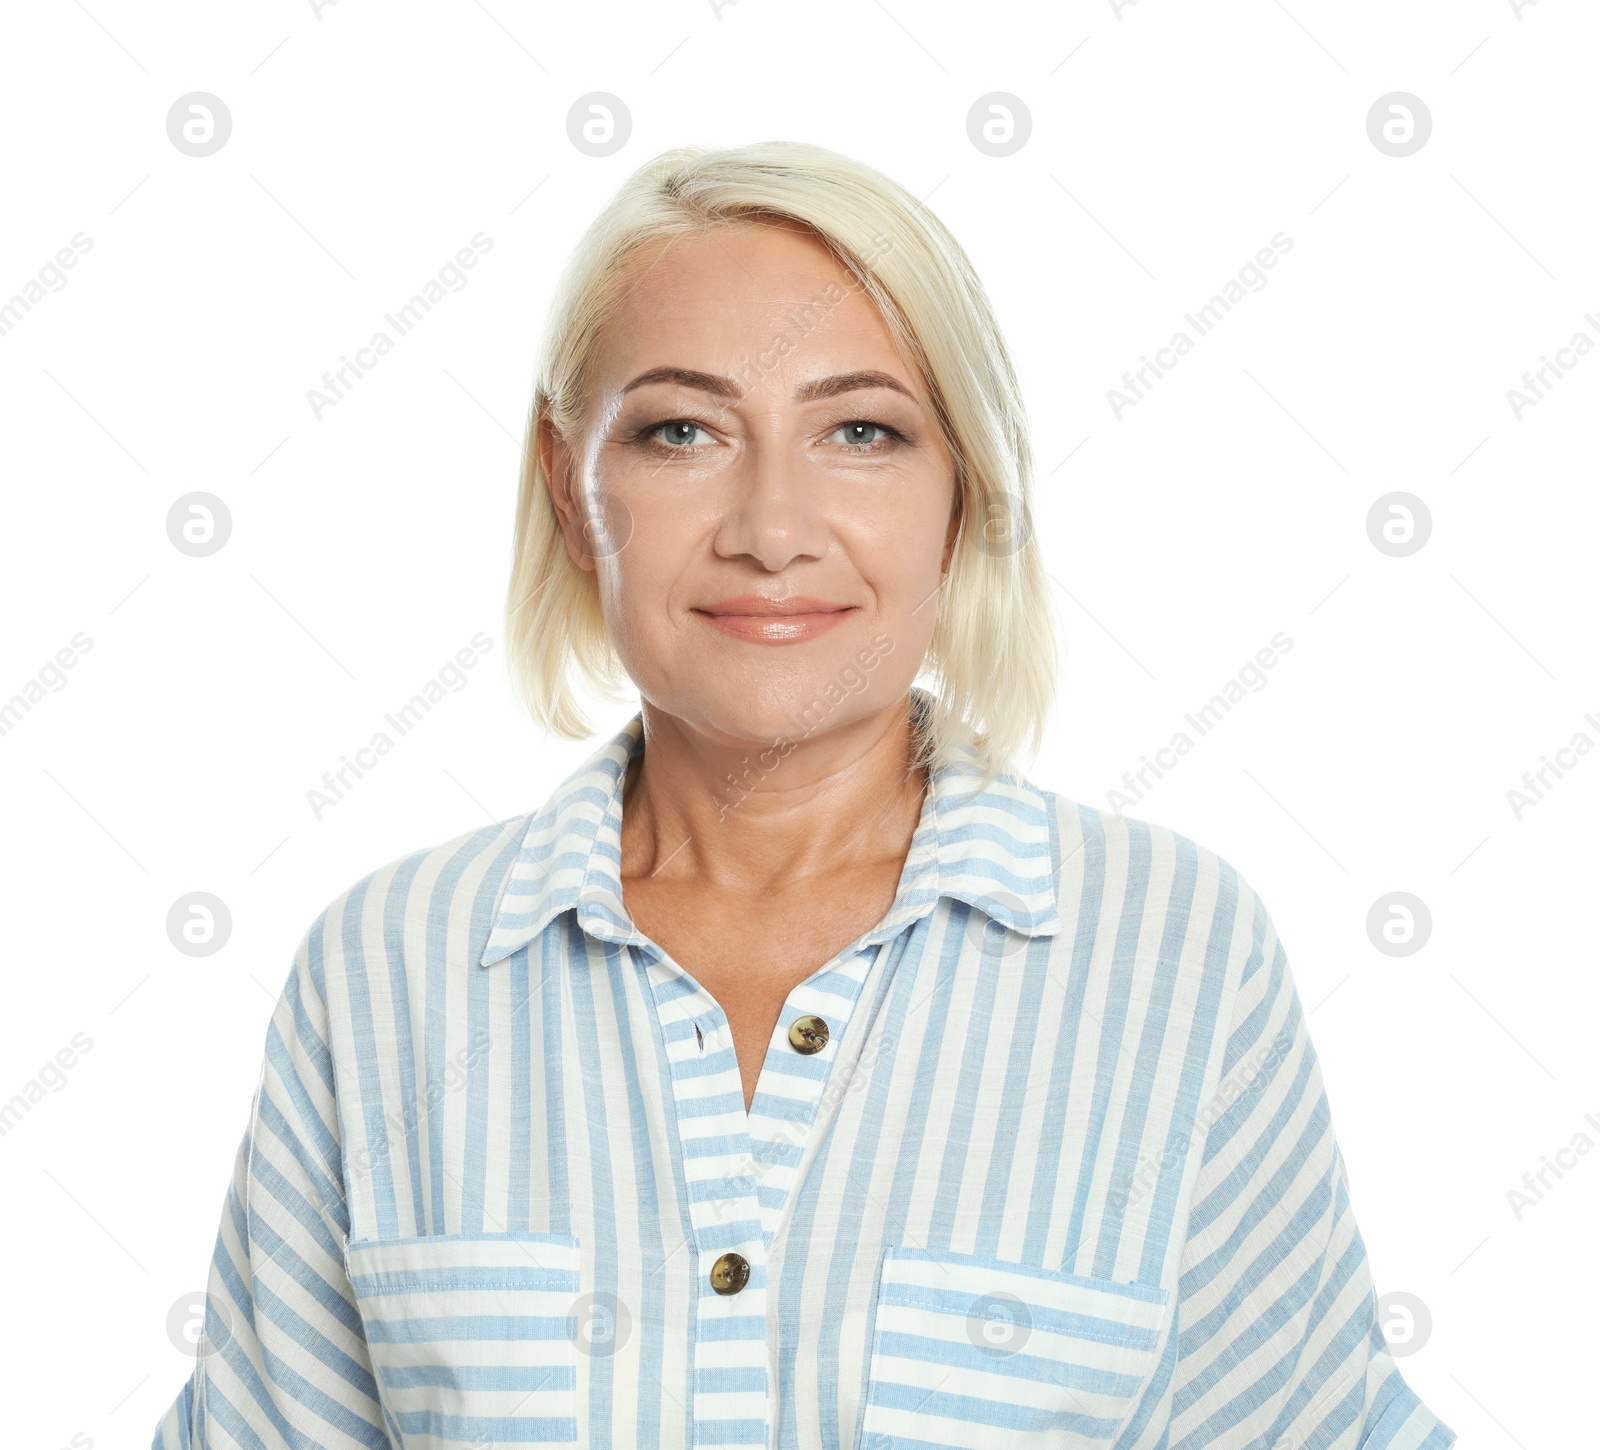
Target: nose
774, 514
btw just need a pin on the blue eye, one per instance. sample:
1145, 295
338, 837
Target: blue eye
854, 434
678, 433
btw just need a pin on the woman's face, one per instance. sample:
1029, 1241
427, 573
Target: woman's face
762, 486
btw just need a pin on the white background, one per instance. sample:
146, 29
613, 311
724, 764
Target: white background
1169, 143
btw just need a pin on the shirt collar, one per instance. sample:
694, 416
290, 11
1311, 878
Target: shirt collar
989, 846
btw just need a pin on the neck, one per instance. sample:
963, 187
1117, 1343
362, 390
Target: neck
749, 814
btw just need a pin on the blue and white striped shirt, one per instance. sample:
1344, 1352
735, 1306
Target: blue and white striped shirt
1062, 1174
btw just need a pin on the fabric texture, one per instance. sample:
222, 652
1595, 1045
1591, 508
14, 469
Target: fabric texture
1063, 1175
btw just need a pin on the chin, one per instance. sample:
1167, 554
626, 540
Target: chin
766, 696
791, 707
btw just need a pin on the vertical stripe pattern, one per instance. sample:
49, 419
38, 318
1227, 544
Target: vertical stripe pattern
1063, 1174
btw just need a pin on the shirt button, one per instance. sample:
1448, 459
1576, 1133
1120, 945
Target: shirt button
730, 1273
808, 1034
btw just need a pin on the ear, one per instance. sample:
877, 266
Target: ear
559, 463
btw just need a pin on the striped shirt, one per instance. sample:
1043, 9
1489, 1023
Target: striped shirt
1062, 1173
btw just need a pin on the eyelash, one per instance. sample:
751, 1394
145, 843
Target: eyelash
646, 436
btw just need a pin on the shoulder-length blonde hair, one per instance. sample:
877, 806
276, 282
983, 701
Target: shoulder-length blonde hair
990, 665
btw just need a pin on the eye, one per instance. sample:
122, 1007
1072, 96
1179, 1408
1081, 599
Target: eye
859, 434
680, 433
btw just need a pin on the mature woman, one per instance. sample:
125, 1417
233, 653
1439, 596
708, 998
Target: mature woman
798, 1075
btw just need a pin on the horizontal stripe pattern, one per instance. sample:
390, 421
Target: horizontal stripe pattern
1063, 1175
969, 1346
471, 1336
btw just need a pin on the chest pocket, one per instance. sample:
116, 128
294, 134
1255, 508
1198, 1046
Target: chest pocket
472, 1336
973, 1353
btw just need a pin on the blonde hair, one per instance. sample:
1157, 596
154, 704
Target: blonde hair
991, 660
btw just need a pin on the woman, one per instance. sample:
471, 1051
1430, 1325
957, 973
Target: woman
798, 1075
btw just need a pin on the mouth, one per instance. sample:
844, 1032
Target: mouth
774, 621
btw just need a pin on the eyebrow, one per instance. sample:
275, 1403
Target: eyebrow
847, 383
807, 392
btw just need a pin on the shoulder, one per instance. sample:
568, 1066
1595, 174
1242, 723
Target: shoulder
431, 906
1157, 895
1158, 854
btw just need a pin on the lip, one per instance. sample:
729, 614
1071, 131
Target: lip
774, 621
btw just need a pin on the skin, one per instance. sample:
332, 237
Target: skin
775, 484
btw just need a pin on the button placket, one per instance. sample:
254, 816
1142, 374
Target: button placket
719, 1190
795, 1074
736, 1200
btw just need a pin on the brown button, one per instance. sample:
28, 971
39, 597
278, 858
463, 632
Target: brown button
730, 1273
808, 1034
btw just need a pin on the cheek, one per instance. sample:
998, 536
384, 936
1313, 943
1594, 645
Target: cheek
660, 515
905, 556
640, 560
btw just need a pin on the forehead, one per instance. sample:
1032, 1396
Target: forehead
712, 300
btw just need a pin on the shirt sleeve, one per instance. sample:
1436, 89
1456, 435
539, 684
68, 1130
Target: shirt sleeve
283, 1361
1278, 1337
